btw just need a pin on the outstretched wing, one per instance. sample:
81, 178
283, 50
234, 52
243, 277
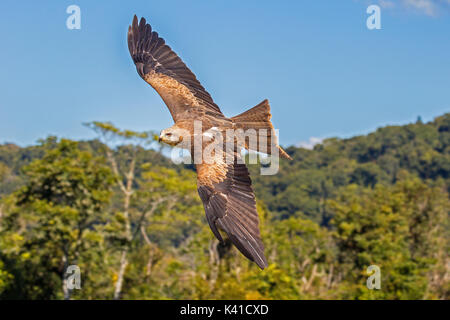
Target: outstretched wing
159, 66
229, 203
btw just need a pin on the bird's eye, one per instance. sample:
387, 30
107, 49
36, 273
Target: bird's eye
168, 134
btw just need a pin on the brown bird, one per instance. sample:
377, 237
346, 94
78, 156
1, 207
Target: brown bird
223, 185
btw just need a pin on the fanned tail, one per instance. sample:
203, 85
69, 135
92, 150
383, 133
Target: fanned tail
258, 118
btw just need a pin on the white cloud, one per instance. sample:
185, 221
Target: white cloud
310, 144
428, 7
387, 4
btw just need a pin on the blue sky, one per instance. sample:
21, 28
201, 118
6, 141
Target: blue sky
324, 73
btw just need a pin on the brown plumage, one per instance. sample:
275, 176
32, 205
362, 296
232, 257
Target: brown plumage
224, 186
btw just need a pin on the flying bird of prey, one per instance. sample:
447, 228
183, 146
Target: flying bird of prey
224, 186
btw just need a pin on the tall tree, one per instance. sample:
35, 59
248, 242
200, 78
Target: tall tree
121, 149
57, 215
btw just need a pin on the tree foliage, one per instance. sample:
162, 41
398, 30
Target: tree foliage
121, 211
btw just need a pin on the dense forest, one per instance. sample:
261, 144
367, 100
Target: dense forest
132, 221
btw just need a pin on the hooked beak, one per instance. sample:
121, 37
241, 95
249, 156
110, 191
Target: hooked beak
159, 139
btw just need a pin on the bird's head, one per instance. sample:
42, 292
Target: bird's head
171, 136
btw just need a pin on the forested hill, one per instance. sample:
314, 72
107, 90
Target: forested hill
132, 221
13, 158
302, 186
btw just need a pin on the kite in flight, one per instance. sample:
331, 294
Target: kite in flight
224, 186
